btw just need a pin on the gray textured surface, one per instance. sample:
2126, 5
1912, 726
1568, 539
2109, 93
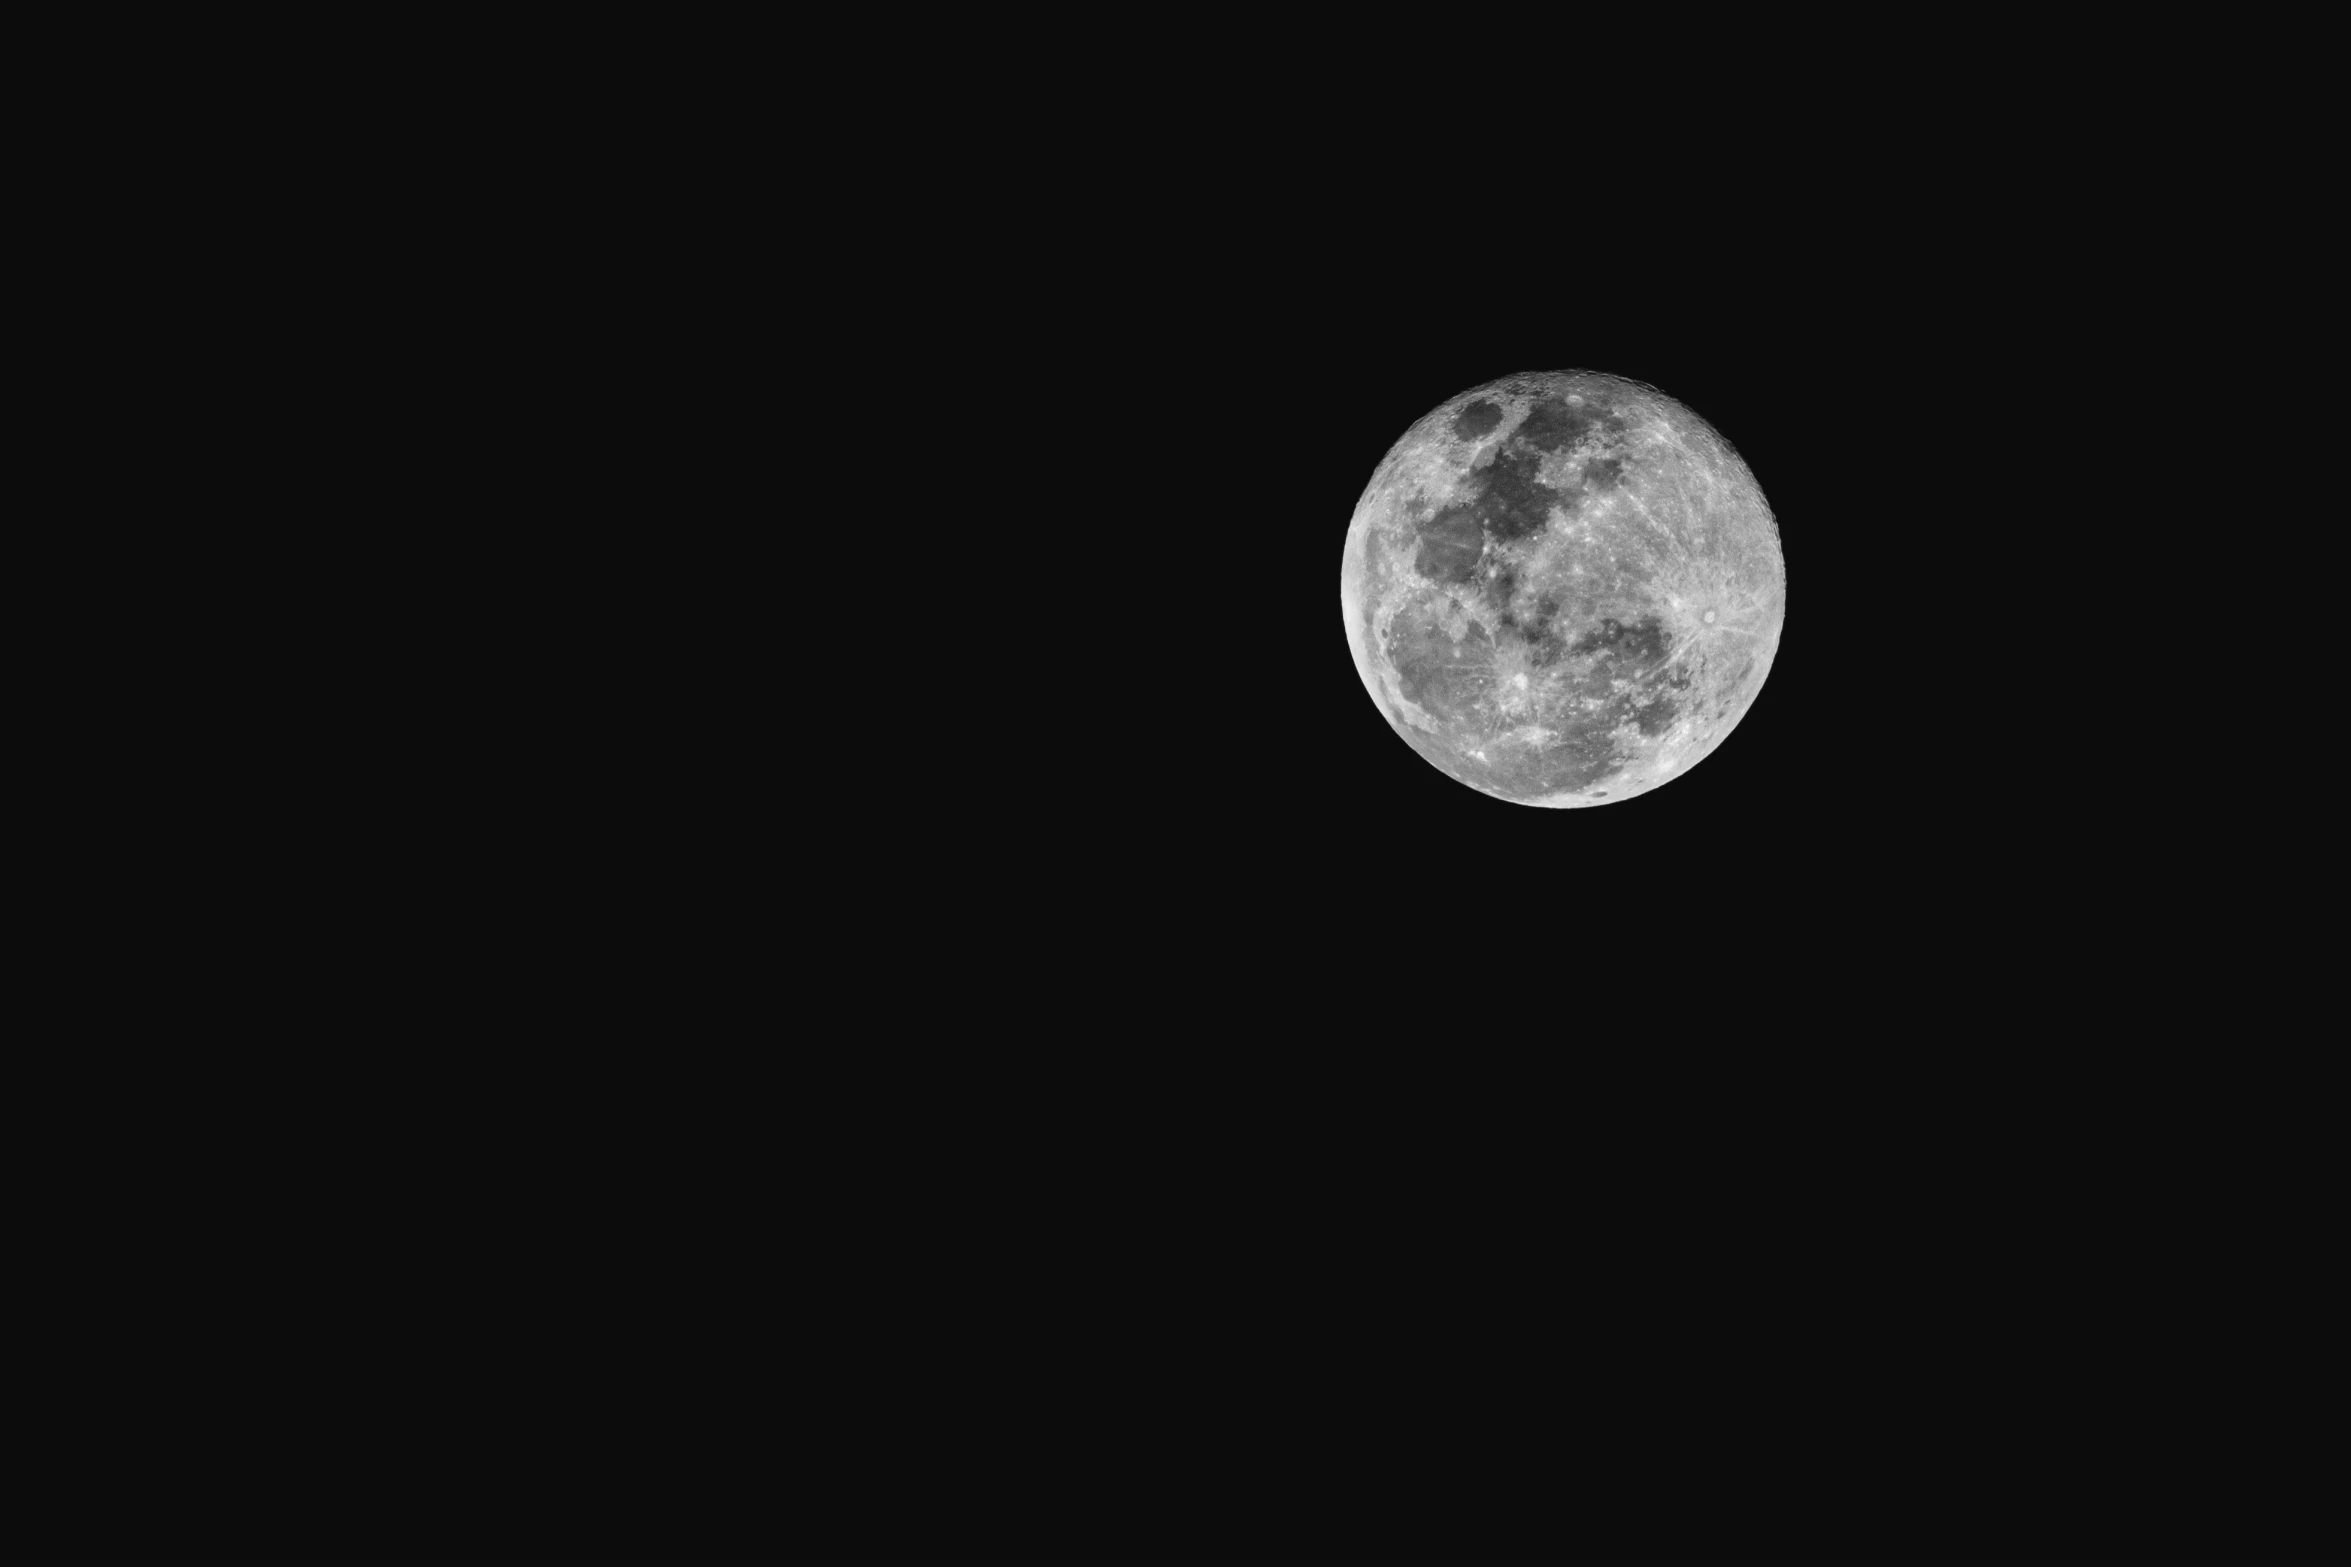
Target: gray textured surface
1600, 654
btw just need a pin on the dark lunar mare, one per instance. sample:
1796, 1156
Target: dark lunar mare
1531, 624
1510, 505
1514, 504
1640, 655
1551, 425
1441, 675
1450, 543
1510, 502
1476, 421
1642, 645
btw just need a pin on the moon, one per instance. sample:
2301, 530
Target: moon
1562, 589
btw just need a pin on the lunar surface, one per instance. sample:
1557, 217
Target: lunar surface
1562, 589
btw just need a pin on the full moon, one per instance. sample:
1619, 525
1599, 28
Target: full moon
1562, 589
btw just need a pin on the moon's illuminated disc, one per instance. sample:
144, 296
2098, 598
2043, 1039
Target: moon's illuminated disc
1562, 589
